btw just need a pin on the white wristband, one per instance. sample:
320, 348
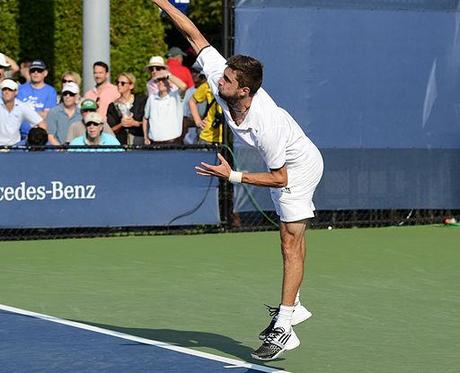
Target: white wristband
235, 177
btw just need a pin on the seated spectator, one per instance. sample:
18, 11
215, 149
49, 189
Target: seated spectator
62, 116
162, 122
104, 92
71, 77
175, 59
36, 139
156, 68
94, 135
13, 112
78, 129
125, 115
210, 125
40, 96
8, 67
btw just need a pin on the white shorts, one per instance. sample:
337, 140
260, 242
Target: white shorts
295, 202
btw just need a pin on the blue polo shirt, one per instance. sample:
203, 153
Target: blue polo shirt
59, 122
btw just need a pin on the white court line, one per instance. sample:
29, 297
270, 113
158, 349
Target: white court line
234, 363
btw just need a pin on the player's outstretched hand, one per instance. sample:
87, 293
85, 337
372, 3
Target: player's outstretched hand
222, 170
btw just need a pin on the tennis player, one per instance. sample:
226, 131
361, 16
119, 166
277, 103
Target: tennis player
294, 164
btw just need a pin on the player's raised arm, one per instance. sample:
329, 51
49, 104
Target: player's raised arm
184, 25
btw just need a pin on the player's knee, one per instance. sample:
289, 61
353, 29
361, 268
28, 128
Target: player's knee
290, 247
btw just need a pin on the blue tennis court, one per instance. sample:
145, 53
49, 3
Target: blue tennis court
31, 342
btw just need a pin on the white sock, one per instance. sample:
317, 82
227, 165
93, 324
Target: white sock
284, 319
297, 298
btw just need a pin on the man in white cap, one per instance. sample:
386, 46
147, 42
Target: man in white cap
62, 116
8, 67
13, 112
94, 136
157, 69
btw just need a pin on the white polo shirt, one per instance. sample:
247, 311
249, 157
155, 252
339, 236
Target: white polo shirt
165, 116
10, 122
267, 127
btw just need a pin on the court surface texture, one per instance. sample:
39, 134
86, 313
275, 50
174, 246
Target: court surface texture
383, 300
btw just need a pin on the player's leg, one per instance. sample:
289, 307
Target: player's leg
293, 252
282, 337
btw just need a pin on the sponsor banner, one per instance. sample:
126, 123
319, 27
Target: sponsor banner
139, 188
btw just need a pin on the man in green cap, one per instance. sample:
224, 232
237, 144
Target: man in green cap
78, 129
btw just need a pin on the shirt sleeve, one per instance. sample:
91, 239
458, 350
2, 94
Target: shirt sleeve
213, 65
147, 109
200, 94
52, 123
30, 115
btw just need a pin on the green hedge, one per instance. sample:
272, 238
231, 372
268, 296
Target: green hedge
52, 30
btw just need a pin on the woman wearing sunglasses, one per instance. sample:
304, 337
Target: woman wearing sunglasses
126, 113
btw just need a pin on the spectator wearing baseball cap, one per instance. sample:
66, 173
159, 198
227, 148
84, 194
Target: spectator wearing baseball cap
62, 116
8, 67
157, 67
13, 112
94, 135
39, 95
175, 63
78, 128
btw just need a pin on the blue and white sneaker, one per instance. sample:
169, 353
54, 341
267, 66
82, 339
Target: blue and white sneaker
299, 315
275, 343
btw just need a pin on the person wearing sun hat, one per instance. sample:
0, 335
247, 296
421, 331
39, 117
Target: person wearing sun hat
62, 116
157, 67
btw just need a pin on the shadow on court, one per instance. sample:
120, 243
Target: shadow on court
190, 339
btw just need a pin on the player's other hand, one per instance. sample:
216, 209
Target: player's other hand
222, 170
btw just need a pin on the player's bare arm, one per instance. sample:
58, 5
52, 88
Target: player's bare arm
184, 25
275, 178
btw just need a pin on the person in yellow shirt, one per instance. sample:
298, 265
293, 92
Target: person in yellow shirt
211, 125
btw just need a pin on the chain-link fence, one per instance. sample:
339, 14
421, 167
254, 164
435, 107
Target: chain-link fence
239, 211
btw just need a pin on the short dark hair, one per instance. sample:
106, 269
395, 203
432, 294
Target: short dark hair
37, 136
249, 72
101, 64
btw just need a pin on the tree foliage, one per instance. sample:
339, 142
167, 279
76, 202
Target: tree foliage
52, 30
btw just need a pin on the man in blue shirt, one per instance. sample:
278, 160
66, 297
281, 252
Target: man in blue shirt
62, 116
94, 136
39, 95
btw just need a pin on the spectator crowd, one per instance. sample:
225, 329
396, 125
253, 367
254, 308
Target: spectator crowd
177, 106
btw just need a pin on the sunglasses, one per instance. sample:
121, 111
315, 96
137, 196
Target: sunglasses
36, 71
71, 94
89, 124
156, 68
88, 110
67, 81
122, 83
7, 89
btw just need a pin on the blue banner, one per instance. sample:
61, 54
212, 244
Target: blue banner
138, 188
182, 5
